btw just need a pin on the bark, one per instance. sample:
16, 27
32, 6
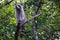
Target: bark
33, 21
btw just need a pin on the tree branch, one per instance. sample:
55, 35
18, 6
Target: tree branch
33, 21
7, 3
32, 18
39, 4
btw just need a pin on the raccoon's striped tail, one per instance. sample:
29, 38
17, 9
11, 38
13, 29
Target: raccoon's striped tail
22, 31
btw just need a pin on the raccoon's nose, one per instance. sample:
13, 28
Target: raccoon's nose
18, 7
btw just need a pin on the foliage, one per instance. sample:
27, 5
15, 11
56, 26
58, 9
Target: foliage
48, 24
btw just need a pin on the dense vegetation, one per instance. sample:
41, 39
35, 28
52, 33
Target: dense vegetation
47, 24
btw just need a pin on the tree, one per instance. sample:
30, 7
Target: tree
48, 23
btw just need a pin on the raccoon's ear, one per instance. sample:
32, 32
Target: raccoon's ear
22, 4
14, 5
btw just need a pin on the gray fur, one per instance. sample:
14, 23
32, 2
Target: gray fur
20, 14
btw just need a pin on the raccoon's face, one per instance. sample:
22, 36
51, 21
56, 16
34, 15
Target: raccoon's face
18, 6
